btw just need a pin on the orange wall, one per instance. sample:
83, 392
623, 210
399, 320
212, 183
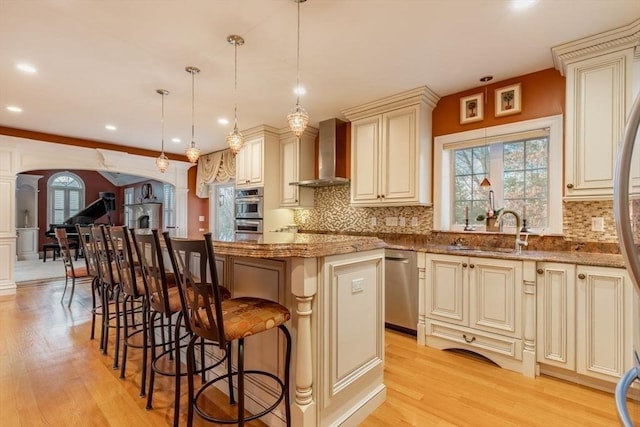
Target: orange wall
195, 206
542, 94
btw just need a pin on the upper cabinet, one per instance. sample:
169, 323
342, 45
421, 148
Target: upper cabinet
599, 95
391, 148
297, 164
249, 163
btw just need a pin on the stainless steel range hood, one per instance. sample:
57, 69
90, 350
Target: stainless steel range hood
332, 155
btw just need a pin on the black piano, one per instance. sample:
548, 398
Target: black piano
86, 216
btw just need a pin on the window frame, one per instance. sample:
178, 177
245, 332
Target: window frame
443, 163
168, 206
50, 189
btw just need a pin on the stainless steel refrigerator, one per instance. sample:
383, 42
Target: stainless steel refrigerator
626, 207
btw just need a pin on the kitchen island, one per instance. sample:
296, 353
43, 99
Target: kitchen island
334, 288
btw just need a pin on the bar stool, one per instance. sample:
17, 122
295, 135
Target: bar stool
110, 287
86, 242
134, 301
223, 322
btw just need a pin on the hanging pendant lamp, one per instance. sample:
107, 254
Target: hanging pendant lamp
162, 162
193, 152
235, 140
485, 182
298, 118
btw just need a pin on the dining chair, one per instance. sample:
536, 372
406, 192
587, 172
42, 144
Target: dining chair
224, 321
71, 272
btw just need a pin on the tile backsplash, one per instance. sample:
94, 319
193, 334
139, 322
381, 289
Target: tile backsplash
332, 213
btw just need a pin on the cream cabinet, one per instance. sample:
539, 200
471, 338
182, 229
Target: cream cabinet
599, 94
249, 164
585, 321
556, 323
475, 304
391, 150
296, 164
605, 303
27, 244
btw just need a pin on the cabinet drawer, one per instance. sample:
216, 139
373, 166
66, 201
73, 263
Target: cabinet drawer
471, 339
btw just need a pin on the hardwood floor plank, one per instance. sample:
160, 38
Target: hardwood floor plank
52, 374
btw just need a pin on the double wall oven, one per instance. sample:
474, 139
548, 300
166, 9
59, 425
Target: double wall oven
249, 210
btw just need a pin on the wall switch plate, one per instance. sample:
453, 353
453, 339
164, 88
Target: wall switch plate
402, 221
201, 218
414, 221
391, 221
374, 221
357, 285
597, 223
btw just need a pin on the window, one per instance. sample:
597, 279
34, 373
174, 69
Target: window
523, 162
169, 206
222, 208
65, 196
128, 211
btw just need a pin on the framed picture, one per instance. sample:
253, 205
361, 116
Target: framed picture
471, 108
508, 100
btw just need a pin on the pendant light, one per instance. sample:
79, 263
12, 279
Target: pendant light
298, 118
193, 153
485, 182
162, 162
235, 140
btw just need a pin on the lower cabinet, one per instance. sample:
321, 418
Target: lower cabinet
585, 320
475, 304
27, 244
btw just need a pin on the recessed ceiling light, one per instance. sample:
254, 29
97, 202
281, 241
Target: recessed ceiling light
522, 4
223, 121
110, 127
176, 140
26, 68
14, 109
300, 90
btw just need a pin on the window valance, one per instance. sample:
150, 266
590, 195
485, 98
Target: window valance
219, 166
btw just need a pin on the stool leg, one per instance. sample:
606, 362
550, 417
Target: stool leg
152, 374
191, 369
287, 366
232, 399
176, 409
241, 382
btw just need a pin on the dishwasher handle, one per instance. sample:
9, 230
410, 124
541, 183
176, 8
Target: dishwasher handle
397, 259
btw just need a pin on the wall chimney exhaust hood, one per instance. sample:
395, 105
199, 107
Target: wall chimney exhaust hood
332, 155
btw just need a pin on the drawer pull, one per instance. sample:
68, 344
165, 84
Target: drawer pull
540, 271
468, 340
581, 276
464, 265
472, 266
569, 186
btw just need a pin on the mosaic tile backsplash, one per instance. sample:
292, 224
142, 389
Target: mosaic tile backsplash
332, 213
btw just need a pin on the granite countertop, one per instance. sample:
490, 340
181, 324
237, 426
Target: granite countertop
283, 244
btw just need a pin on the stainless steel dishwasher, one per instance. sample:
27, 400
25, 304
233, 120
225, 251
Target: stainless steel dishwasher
401, 290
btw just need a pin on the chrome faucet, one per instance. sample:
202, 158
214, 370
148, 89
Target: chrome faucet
519, 242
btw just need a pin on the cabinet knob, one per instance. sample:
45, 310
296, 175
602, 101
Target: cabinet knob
464, 265
382, 196
468, 340
540, 271
581, 276
472, 266
569, 186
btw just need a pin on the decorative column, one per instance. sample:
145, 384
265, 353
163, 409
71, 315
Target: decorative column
304, 286
529, 366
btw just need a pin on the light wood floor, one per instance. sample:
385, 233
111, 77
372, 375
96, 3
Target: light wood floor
52, 374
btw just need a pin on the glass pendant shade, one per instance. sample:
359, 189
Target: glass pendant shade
162, 162
193, 152
298, 120
235, 141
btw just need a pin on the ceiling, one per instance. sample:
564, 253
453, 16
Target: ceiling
100, 62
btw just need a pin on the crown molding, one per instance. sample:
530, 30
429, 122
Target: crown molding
420, 95
616, 39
